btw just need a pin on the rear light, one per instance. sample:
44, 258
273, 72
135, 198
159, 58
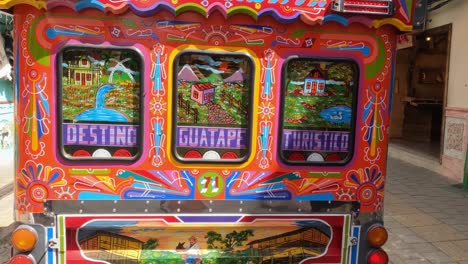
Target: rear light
377, 256
377, 235
24, 238
22, 259
377, 7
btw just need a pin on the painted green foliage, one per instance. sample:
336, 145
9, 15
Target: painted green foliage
151, 255
226, 252
225, 110
160, 257
213, 89
342, 72
304, 110
152, 243
221, 250
85, 71
230, 241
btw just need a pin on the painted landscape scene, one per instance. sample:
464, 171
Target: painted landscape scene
319, 94
100, 85
255, 243
213, 90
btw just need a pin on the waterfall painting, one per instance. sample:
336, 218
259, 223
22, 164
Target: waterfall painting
100, 99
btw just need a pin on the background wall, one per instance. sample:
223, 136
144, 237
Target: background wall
456, 13
456, 110
6, 118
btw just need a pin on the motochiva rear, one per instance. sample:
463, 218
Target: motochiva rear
211, 131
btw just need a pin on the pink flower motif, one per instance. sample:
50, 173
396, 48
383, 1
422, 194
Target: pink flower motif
367, 185
39, 183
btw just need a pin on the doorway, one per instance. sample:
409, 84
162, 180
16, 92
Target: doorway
419, 99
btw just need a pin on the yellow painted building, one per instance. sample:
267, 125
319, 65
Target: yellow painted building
114, 248
290, 247
83, 72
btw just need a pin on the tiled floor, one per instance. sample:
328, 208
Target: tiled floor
429, 149
426, 215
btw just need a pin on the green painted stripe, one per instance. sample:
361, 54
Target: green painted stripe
191, 7
344, 255
377, 66
243, 43
87, 172
324, 174
40, 54
409, 7
61, 234
243, 10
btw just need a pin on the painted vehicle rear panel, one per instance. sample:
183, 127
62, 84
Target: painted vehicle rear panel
144, 123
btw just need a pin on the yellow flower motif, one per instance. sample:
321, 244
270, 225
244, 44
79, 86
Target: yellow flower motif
157, 106
266, 110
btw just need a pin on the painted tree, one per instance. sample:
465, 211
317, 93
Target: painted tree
294, 72
151, 255
342, 71
224, 248
152, 243
230, 241
212, 238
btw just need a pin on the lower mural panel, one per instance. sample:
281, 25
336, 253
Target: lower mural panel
207, 239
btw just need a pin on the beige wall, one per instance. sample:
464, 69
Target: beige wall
456, 111
456, 13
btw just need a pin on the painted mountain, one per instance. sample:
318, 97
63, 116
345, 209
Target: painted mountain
212, 78
187, 74
238, 76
